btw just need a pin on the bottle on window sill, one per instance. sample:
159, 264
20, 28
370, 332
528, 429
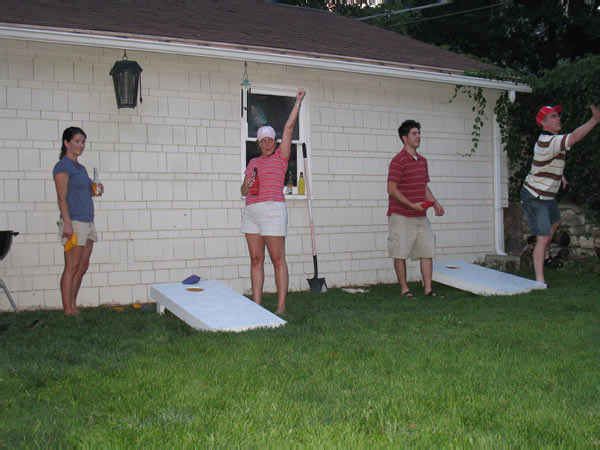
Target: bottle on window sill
290, 185
301, 184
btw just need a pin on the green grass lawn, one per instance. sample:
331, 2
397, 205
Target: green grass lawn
348, 370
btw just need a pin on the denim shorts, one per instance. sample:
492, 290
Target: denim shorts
540, 214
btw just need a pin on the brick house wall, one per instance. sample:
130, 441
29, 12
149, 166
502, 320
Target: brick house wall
171, 171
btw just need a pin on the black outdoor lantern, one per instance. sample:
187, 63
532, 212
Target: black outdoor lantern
126, 78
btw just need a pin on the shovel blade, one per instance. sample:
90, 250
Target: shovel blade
317, 285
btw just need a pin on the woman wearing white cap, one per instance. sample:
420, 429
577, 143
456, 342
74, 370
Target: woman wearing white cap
264, 218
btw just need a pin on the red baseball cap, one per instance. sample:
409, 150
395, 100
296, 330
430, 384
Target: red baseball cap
544, 111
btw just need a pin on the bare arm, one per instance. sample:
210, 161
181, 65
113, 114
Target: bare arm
439, 209
61, 180
583, 130
392, 188
246, 185
288, 129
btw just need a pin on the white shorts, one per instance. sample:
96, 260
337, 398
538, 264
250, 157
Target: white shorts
83, 231
265, 218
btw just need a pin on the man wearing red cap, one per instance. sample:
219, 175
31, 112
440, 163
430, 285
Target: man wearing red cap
542, 183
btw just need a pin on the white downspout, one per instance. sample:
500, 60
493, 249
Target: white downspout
498, 214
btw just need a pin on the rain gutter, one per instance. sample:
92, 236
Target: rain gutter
253, 54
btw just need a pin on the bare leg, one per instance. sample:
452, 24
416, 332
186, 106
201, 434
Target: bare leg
76, 264
84, 263
72, 258
553, 229
276, 248
539, 252
400, 267
426, 273
256, 246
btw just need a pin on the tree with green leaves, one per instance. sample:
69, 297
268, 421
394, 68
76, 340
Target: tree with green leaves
524, 35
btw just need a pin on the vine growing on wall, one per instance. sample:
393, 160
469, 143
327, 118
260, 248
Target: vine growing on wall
476, 94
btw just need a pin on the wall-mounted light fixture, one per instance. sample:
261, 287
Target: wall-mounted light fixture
126, 78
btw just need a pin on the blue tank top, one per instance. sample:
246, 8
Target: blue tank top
79, 190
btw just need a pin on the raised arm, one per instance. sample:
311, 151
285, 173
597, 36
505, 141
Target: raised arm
288, 129
583, 130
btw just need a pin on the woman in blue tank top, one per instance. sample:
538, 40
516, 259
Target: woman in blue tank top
74, 192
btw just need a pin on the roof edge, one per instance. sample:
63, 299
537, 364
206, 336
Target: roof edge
251, 53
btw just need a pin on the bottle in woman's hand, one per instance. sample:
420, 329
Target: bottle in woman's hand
255, 183
97, 187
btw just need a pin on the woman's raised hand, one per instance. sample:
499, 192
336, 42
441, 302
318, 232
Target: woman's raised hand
300, 96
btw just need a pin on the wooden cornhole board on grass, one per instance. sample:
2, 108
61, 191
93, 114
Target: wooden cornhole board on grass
481, 280
216, 308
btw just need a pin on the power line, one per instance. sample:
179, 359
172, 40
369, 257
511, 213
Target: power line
393, 13
458, 13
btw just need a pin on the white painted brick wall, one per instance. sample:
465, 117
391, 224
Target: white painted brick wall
170, 169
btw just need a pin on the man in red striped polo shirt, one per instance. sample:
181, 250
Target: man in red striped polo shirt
409, 229
544, 179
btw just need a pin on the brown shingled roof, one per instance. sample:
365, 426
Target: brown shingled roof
250, 24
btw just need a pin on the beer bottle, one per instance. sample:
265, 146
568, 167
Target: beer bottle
96, 191
301, 184
254, 188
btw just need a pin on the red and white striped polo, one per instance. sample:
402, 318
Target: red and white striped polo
271, 176
411, 175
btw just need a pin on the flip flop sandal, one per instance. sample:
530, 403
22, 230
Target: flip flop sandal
408, 294
434, 294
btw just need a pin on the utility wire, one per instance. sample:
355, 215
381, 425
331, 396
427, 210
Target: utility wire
458, 13
393, 13
453, 14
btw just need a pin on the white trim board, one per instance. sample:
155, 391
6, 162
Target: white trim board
481, 280
307, 60
216, 308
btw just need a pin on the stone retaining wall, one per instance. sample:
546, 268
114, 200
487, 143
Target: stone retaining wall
577, 238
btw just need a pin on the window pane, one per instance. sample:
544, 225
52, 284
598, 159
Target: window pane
271, 110
252, 151
293, 166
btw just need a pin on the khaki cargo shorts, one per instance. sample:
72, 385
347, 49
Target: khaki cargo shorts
410, 237
83, 231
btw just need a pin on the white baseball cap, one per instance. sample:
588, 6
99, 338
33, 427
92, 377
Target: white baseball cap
264, 132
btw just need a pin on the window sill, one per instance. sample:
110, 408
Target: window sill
295, 196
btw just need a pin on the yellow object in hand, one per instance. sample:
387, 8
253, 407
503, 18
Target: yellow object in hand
72, 242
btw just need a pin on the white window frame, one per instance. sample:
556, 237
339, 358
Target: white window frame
304, 120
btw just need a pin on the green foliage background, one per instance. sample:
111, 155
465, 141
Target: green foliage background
574, 86
543, 43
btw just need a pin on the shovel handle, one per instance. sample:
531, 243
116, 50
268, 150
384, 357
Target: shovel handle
310, 218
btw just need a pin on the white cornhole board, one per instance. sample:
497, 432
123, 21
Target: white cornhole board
216, 308
481, 280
